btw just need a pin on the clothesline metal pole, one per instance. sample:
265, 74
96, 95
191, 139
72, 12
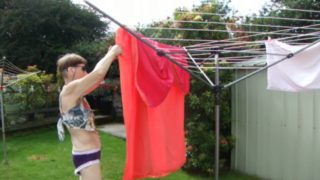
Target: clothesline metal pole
5, 158
272, 64
160, 53
217, 92
198, 67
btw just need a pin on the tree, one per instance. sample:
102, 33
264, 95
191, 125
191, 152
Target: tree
278, 8
181, 15
38, 31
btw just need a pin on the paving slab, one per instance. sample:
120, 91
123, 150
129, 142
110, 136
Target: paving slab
114, 129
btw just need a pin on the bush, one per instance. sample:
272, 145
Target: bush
25, 92
36, 91
200, 126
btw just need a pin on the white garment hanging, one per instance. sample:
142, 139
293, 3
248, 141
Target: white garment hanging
298, 73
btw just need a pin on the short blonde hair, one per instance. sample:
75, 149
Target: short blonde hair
69, 60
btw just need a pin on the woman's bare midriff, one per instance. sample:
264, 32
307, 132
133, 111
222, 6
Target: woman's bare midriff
83, 140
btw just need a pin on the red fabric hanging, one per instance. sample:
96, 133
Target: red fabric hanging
152, 90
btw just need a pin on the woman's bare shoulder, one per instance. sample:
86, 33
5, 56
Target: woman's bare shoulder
67, 90
67, 98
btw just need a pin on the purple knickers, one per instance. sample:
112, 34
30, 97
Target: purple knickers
84, 159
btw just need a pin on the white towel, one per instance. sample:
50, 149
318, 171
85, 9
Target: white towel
298, 73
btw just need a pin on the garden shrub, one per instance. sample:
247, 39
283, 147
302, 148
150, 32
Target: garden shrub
200, 126
36, 91
29, 93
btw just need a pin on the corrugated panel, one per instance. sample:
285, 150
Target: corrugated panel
277, 133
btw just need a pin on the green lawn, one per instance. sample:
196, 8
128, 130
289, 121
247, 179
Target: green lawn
37, 154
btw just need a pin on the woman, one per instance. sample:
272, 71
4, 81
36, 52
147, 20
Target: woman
75, 112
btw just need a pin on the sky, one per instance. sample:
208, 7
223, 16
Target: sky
132, 12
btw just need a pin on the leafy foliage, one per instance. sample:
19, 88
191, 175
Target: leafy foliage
34, 92
38, 31
278, 8
181, 15
200, 125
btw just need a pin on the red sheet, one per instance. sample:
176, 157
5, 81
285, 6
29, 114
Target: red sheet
152, 90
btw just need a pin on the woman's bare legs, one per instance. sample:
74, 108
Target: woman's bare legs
92, 172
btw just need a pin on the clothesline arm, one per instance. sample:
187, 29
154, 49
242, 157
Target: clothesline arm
198, 67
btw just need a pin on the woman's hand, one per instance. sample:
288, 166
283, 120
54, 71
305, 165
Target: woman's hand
115, 50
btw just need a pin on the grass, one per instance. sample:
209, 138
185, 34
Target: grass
37, 154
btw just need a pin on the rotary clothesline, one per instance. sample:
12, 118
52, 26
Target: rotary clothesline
229, 23
10, 68
285, 28
234, 51
280, 9
242, 47
214, 30
214, 51
8, 73
208, 44
252, 17
226, 46
244, 42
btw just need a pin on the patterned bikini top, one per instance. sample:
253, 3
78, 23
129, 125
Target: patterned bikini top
78, 117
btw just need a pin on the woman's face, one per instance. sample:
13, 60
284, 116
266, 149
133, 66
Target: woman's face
77, 72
